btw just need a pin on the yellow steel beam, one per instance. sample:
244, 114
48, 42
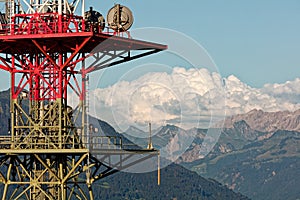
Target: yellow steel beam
46, 166
42, 151
74, 168
7, 182
23, 192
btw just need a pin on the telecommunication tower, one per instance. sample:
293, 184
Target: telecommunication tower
44, 45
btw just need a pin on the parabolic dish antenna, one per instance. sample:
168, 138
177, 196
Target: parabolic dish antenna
119, 18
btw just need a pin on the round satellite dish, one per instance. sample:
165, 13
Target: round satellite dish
119, 18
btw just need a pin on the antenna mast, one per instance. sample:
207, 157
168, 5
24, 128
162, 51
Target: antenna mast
150, 145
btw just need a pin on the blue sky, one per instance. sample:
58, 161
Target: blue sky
257, 41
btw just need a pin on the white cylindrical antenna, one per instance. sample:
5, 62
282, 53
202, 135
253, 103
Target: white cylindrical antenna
60, 7
83, 8
150, 146
65, 6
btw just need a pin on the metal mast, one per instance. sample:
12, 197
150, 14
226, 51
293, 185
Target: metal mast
43, 47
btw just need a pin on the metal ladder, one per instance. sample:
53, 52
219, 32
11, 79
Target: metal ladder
10, 10
87, 105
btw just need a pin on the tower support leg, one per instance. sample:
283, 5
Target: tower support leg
91, 192
7, 181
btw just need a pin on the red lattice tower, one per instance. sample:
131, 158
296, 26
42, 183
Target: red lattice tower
43, 46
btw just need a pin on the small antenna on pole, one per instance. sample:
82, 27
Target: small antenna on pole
150, 146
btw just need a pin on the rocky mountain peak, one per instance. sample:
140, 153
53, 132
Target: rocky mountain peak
267, 121
241, 125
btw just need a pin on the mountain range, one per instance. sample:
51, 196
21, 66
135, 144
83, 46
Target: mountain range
255, 153
257, 167
177, 181
267, 121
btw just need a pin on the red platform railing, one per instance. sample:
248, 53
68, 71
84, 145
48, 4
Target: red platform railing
51, 23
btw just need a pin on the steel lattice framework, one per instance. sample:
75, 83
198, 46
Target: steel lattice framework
43, 47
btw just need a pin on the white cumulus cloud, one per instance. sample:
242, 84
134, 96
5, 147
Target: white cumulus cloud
288, 92
187, 98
